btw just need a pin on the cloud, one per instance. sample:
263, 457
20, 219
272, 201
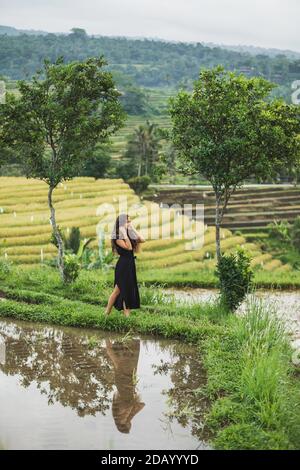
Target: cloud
268, 23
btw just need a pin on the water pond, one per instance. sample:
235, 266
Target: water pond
68, 388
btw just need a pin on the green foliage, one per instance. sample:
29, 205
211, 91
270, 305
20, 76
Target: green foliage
278, 242
77, 255
280, 230
5, 268
99, 163
60, 116
295, 233
228, 130
139, 184
142, 153
250, 437
78, 33
11, 169
235, 278
72, 242
126, 168
251, 369
71, 267
146, 62
7, 156
103, 259
134, 101
170, 161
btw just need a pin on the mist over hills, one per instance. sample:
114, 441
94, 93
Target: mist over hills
254, 50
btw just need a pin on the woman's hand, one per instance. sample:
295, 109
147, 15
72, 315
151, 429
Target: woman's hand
134, 234
123, 233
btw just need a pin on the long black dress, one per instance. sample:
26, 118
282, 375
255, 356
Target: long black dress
125, 279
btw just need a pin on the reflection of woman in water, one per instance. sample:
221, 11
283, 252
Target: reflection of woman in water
126, 402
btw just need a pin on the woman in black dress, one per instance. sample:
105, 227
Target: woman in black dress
125, 241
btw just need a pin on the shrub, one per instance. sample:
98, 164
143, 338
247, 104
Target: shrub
235, 277
280, 230
71, 267
5, 268
139, 183
73, 241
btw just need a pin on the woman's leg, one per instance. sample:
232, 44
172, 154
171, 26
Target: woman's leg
126, 310
112, 299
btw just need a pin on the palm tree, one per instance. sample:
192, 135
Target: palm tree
147, 140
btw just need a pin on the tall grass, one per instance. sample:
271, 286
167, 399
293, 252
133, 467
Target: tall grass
261, 407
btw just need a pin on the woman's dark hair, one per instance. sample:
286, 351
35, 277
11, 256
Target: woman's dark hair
120, 222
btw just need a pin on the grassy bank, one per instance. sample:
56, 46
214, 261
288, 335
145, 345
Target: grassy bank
252, 384
206, 278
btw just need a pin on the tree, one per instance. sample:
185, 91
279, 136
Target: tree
134, 101
99, 162
229, 130
143, 148
296, 171
170, 161
141, 157
79, 33
57, 121
6, 155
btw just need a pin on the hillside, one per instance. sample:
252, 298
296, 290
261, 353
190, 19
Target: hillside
147, 62
250, 208
25, 230
157, 100
253, 50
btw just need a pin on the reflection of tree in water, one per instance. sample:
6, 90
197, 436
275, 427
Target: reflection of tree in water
187, 403
126, 401
61, 364
79, 373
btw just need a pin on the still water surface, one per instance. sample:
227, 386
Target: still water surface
68, 388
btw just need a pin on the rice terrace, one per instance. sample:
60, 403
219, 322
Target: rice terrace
149, 233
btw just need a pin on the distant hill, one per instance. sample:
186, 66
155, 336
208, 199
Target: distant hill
145, 61
11, 31
255, 50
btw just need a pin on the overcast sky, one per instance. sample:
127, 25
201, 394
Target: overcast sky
266, 23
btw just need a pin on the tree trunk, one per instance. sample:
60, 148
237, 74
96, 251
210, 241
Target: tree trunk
218, 221
145, 158
57, 235
140, 168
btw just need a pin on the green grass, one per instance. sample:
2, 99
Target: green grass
91, 285
257, 394
283, 251
252, 386
206, 278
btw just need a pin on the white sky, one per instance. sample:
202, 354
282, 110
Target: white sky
266, 23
